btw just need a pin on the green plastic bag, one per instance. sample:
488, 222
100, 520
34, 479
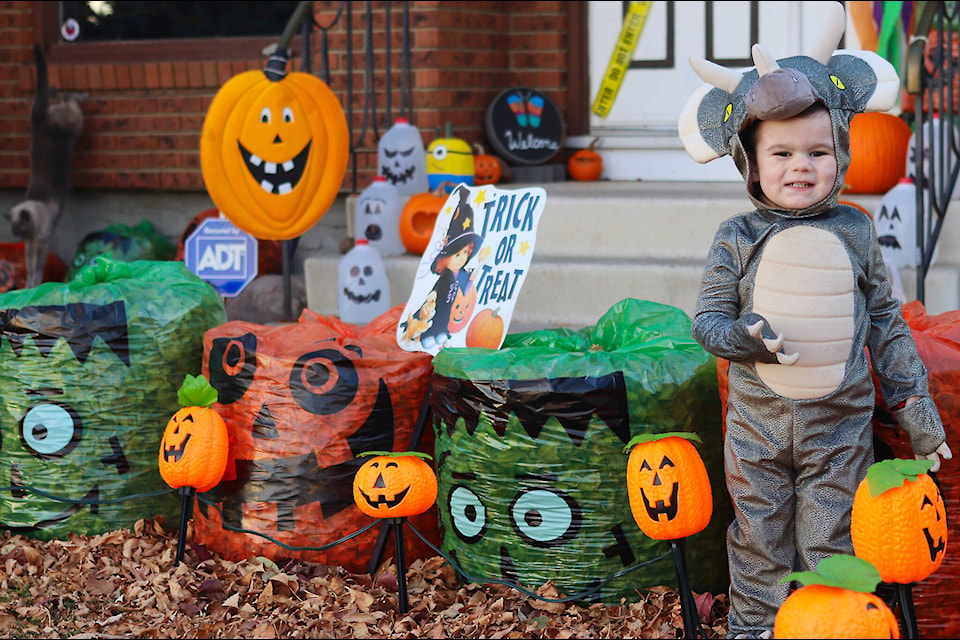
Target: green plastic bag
89, 372
124, 243
530, 460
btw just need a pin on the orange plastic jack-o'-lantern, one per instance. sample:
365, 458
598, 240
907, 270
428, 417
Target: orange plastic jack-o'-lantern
836, 602
274, 152
302, 402
193, 451
395, 485
667, 483
898, 522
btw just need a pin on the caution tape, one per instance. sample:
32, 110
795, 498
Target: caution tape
633, 24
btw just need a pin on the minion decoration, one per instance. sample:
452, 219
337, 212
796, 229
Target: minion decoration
450, 160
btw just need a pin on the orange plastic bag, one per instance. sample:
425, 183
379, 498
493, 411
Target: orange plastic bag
301, 402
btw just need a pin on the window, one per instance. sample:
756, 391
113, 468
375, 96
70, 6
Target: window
132, 30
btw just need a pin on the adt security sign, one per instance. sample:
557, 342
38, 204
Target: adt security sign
223, 255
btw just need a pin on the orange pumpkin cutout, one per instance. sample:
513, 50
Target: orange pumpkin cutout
273, 153
898, 522
395, 485
834, 605
462, 309
193, 451
668, 487
486, 330
418, 218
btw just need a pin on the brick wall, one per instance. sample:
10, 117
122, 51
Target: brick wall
143, 118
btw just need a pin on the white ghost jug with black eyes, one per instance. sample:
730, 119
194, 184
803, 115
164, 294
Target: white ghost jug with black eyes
376, 217
363, 289
402, 158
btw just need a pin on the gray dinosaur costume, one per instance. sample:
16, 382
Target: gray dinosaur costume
793, 299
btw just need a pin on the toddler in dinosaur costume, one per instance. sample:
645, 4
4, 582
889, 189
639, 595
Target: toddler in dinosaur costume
794, 294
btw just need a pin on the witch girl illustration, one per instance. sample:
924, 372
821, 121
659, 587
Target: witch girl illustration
455, 282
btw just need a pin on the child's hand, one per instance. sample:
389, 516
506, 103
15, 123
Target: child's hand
942, 451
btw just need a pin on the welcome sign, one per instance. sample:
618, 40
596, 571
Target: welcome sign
472, 271
524, 126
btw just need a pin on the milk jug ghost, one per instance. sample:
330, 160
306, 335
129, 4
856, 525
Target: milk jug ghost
376, 217
363, 289
402, 159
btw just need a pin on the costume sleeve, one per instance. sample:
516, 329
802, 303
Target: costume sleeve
895, 360
718, 325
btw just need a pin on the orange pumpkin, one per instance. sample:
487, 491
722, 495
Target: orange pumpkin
585, 165
485, 330
898, 522
419, 216
825, 608
273, 153
395, 485
487, 169
667, 484
462, 309
193, 451
878, 152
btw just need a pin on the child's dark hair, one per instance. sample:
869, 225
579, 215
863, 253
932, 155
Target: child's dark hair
748, 135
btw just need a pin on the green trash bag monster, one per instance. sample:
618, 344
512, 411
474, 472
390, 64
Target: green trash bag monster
530, 453
89, 372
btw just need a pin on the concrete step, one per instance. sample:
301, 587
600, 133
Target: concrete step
598, 243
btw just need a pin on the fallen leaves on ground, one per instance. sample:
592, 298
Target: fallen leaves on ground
125, 584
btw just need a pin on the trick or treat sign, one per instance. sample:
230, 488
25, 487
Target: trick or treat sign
471, 272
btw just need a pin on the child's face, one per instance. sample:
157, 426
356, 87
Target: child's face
796, 161
459, 259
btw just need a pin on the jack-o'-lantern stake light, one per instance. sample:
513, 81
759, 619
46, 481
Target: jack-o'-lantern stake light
670, 499
274, 149
193, 450
393, 486
899, 524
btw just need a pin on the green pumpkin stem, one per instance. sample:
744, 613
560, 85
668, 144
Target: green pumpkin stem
891, 474
841, 571
396, 454
650, 437
196, 391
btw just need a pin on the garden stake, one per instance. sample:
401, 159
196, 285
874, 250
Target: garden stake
904, 598
186, 508
688, 606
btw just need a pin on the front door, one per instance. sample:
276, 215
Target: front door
638, 137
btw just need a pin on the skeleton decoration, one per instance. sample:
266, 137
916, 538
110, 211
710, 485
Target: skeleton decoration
54, 128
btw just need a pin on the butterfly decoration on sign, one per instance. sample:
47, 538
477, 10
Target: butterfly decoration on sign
527, 109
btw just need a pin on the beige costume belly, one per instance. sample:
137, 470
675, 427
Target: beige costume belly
804, 288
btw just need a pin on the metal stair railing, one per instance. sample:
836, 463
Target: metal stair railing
932, 76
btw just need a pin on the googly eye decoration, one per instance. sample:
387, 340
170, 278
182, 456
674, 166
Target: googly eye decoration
846, 81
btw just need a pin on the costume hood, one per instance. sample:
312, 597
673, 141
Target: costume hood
846, 82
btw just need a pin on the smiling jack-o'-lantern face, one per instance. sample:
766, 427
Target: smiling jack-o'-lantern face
273, 153
669, 490
395, 486
462, 309
193, 451
902, 531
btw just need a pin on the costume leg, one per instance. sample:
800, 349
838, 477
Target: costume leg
832, 457
760, 542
